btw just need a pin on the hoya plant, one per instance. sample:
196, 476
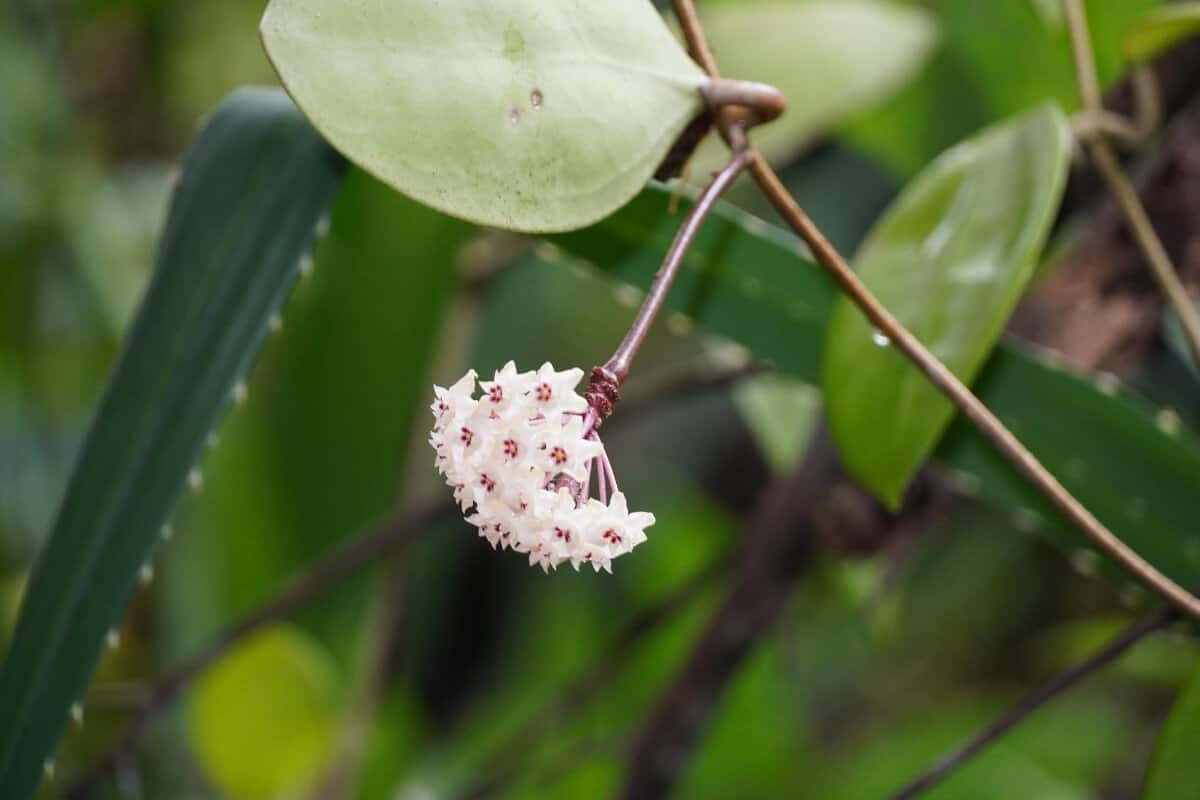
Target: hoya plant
598, 147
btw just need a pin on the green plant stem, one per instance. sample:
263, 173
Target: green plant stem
1021, 710
939, 376
1095, 140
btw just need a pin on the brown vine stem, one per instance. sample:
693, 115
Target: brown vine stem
937, 373
617, 366
1095, 140
1019, 711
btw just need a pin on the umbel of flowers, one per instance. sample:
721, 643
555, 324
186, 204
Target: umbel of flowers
524, 456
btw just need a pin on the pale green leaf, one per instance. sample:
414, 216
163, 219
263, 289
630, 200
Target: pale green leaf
519, 114
261, 721
949, 259
830, 59
1159, 30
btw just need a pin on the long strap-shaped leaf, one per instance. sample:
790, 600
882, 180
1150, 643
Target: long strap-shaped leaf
751, 282
253, 188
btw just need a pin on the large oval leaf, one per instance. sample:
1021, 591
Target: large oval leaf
1175, 771
950, 259
520, 114
252, 190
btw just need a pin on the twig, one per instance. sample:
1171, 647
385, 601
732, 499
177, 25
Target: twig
618, 365
506, 760
1102, 155
346, 559
383, 630
938, 375
1019, 711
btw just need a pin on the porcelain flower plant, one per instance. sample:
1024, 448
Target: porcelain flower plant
522, 457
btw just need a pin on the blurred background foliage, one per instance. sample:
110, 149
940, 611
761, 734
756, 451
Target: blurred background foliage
882, 660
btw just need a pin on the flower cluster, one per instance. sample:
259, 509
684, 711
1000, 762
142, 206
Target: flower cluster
523, 455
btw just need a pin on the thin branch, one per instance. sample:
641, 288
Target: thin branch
937, 373
618, 365
1030, 703
1102, 155
1081, 53
382, 633
346, 559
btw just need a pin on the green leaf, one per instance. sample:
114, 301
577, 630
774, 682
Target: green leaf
347, 377
519, 114
830, 58
750, 282
262, 719
253, 187
1175, 771
1160, 29
949, 259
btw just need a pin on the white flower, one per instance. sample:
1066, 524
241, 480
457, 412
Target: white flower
505, 394
614, 531
523, 457
454, 402
561, 448
553, 392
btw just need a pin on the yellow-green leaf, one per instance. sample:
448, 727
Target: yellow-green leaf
262, 720
1159, 30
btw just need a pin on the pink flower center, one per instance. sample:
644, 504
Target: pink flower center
558, 456
543, 392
